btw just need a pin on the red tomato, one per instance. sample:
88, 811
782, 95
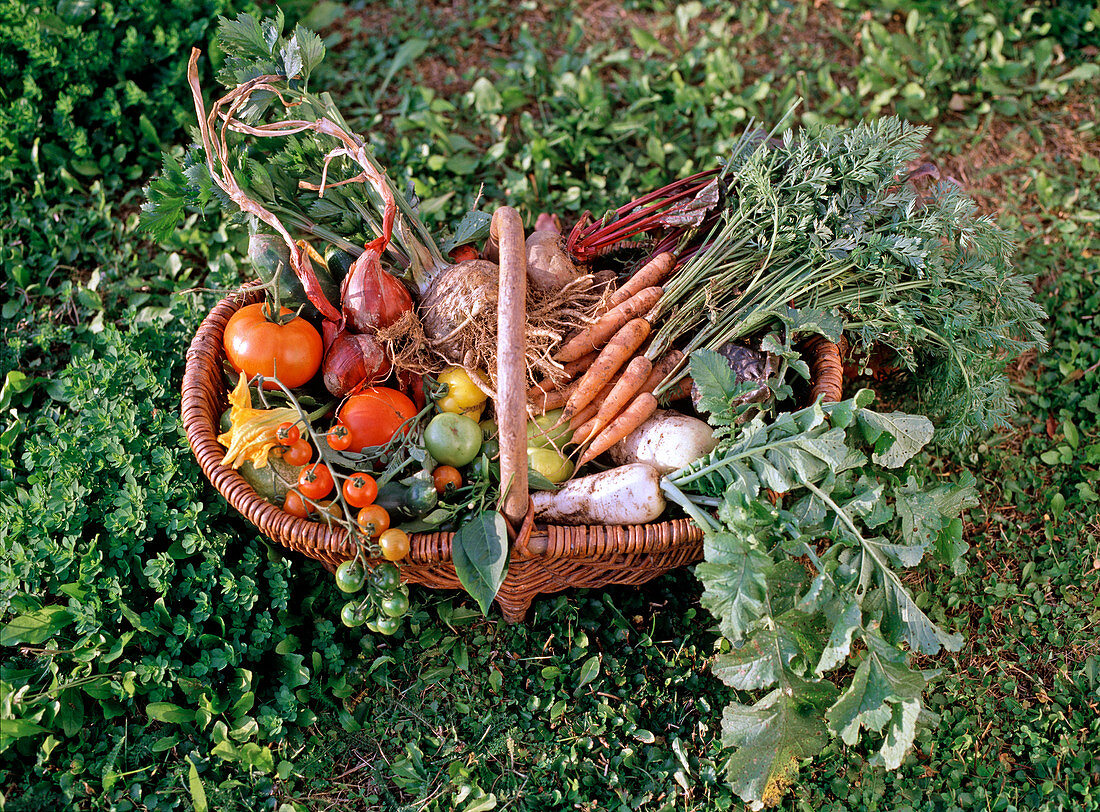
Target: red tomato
315, 482
298, 453
339, 438
257, 346
295, 506
373, 520
360, 490
287, 433
374, 416
446, 477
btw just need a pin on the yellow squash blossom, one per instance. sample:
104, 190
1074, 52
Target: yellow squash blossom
251, 432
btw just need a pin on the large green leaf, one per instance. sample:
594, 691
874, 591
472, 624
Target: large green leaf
771, 737
896, 436
734, 581
480, 553
35, 627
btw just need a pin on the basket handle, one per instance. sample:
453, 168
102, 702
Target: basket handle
511, 403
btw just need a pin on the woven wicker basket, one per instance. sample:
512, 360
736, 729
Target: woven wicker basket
544, 559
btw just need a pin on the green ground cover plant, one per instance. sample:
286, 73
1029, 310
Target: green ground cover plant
175, 661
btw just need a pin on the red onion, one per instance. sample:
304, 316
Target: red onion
353, 361
371, 298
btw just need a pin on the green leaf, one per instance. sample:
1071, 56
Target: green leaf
194, 785
473, 227
734, 578
900, 735
882, 678
758, 663
408, 53
167, 712
836, 651
904, 618
827, 323
896, 436
589, 671
480, 553
772, 736
19, 728
35, 627
718, 386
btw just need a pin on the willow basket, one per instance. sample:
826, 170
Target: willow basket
544, 559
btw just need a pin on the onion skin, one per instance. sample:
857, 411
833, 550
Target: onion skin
353, 360
372, 299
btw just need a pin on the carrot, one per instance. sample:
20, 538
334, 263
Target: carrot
548, 401
667, 362
681, 390
628, 385
568, 373
588, 412
639, 411
652, 273
622, 345
600, 331
584, 432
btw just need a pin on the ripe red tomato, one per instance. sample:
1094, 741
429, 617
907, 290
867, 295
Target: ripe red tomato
287, 433
257, 346
315, 481
339, 438
446, 477
295, 506
374, 416
360, 490
298, 453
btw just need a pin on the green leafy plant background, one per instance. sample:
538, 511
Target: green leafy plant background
174, 660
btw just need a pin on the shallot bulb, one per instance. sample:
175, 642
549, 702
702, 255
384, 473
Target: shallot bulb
353, 360
372, 299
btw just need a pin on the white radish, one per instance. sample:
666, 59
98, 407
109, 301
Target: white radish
630, 494
668, 441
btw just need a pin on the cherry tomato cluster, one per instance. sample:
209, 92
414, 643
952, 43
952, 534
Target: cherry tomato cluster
385, 602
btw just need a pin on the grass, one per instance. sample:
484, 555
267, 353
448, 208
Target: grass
603, 699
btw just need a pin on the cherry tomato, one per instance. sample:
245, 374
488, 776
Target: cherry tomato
287, 433
295, 506
298, 452
373, 520
315, 482
375, 415
360, 490
351, 616
446, 478
385, 577
256, 346
394, 544
350, 576
396, 605
339, 438
388, 625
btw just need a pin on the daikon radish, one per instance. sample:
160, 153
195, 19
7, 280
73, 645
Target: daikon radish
630, 494
668, 441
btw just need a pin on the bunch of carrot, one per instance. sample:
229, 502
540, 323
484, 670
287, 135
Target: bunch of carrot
606, 390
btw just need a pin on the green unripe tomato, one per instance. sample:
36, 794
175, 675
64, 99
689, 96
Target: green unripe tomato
452, 439
350, 615
388, 625
385, 577
350, 575
542, 432
396, 605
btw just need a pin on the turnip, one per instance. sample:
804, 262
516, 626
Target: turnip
668, 441
630, 494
